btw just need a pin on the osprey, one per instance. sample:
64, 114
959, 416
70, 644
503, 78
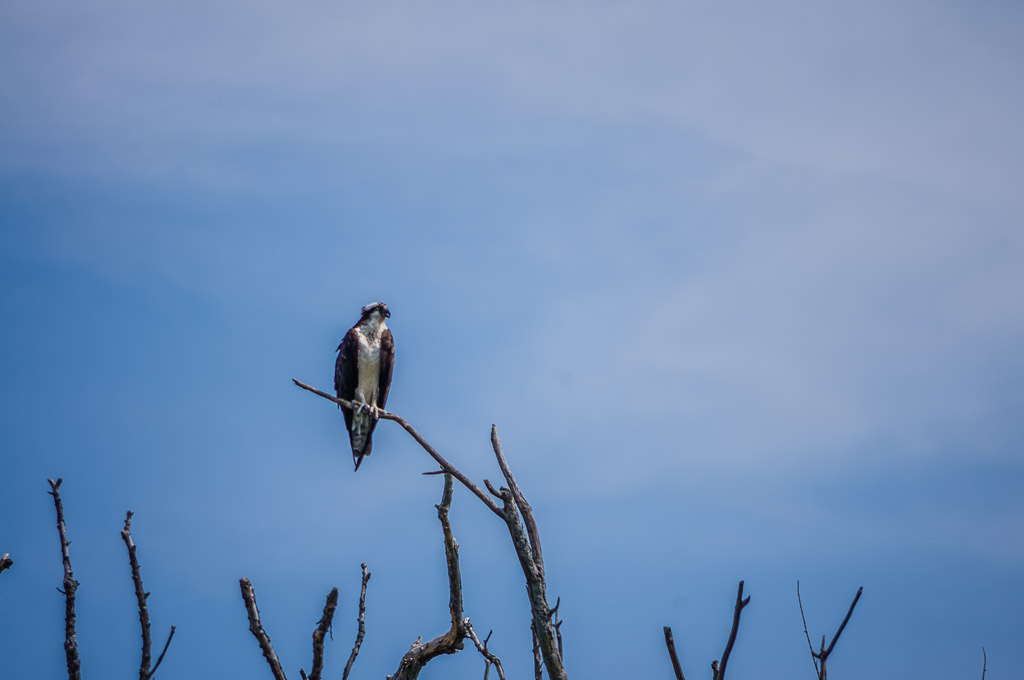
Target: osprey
362, 375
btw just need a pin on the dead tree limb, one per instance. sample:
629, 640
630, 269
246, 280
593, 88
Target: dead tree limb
70, 586
450, 642
318, 636
526, 543
141, 596
489, 657
256, 628
160, 659
514, 505
670, 642
445, 465
362, 625
524, 508
984, 663
6, 562
719, 671
824, 652
810, 645
535, 589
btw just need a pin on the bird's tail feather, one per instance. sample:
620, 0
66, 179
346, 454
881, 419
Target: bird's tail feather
362, 428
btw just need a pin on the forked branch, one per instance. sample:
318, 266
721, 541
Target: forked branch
524, 508
717, 666
141, 597
719, 670
823, 654
536, 588
526, 542
489, 657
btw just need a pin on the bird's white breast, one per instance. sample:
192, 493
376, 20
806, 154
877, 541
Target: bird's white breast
369, 360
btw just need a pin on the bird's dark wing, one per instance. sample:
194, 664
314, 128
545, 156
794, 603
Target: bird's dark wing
387, 365
346, 372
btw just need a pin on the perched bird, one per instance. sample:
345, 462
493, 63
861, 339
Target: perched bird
362, 375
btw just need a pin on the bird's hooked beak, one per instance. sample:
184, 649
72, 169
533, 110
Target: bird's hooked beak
387, 313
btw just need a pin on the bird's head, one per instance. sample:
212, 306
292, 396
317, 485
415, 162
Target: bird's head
376, 307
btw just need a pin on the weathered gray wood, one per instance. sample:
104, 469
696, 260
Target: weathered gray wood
70, 586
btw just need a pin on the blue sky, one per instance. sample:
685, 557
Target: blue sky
739, 283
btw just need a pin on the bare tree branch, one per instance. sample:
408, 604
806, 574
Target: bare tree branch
810, 645
140, 596
533, 568
846, 619
740, 604
450, 642
984, 663
489, 657
528, 550
535, 589
319, 633
670, 642
160, 658
517, 495
6, 562
823, 654
70, 586
445, 465
362, 625
256, 628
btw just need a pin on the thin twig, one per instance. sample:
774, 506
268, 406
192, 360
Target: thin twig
256, 628
670, 642
984, 663
489, 657
318, 635
160, 658
810, 645
70, 586
362, 625
140, 596
553, 615
845, 621
6, 562
740, 604
448, 467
